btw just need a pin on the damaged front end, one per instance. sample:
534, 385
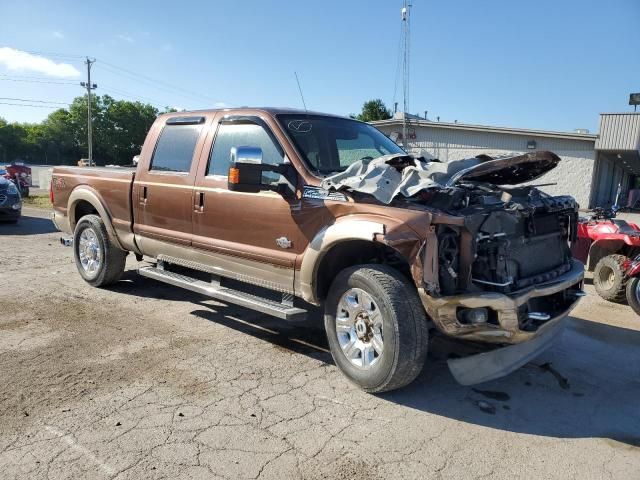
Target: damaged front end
496, 261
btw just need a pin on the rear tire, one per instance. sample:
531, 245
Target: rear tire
609, 278
633, 294
99, 262
376, 327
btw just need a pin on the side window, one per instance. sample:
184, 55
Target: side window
241, 135
174, 150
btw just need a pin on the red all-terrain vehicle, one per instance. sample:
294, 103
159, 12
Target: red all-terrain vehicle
607, 245
633, 284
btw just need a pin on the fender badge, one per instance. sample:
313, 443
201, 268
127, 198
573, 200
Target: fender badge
283, 242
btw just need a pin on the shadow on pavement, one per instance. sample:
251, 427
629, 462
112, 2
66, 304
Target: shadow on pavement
28, 225
586, 385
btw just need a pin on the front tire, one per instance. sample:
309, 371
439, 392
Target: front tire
99, 262
376, 327
609, 278
633, 294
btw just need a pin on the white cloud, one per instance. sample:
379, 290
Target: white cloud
125, 38
18, 60
57, 34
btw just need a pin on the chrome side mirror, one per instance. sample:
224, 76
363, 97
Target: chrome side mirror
245, 169
246, 155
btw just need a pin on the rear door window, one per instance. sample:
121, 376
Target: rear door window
174, 150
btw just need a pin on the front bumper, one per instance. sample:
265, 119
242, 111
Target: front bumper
10, 207
522, 345
9, 214
483, 367
507, 308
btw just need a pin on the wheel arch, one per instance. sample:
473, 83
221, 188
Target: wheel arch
338, 246
602, 248
85, 201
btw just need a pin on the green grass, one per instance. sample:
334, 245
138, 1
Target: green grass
37, 201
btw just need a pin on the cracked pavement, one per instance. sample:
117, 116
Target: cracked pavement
147, 381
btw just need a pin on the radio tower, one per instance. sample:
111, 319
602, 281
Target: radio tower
406, 44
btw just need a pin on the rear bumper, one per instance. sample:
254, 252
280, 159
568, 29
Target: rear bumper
61, 222
443, 310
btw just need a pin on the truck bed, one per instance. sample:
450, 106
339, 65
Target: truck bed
112, 185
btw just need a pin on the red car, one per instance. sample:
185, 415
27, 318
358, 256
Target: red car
606, 245
20, 174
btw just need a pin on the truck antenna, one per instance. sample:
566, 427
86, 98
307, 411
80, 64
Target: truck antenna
300, 90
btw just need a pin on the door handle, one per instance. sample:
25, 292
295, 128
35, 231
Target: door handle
200, 203
143, 194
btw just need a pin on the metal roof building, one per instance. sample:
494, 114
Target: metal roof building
593, 166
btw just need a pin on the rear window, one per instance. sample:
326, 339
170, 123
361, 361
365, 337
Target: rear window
174, 150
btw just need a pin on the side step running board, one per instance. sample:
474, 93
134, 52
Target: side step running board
214, 290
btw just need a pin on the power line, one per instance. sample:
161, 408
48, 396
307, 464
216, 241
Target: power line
35, 77
52, 82
32, 100
133, 96
28, 105
156, 83
110, 67
53, 54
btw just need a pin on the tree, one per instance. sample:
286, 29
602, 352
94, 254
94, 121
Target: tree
374, 110
119, 130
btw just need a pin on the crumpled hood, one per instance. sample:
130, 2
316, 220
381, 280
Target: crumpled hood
390, 175
510, 170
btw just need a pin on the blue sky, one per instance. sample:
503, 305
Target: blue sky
544, 64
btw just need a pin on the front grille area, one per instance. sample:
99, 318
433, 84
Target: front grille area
534, 250
553, 305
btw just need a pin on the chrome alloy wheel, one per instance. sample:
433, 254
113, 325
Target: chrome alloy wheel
89, 252
359, 328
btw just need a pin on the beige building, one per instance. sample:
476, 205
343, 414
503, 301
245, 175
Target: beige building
594, 166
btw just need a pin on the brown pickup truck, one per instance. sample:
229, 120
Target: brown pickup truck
282, 210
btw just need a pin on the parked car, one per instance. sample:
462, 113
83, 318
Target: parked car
20, 175
312, 210
10, 201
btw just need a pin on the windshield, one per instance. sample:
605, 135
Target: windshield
331, 144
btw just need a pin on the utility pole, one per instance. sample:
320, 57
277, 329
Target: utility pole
89, 86
406, 38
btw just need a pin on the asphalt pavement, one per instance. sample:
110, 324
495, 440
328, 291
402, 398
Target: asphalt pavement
145, 381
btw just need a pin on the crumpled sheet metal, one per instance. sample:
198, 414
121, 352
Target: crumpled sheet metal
398, 174
384, 181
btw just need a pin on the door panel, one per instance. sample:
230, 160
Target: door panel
258, 227
163, 188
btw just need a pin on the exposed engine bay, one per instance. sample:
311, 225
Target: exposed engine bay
520, 237
511, 237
